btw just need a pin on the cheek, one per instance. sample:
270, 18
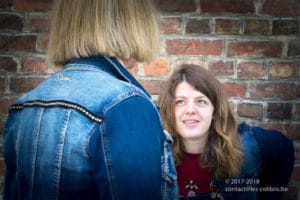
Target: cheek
207, 114
178, 114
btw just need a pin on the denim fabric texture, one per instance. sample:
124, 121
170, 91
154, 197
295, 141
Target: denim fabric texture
89, 131
268, 165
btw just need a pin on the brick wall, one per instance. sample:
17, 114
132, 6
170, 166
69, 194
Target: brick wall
253, 47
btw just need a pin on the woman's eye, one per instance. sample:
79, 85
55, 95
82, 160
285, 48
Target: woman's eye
179, 102
201, 101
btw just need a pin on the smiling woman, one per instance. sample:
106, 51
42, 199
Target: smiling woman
193, 112
216, 159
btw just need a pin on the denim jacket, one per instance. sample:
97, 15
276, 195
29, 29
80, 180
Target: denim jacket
89, 131
266, 170
268, 164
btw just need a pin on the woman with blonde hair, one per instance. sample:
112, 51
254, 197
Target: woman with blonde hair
91, 131
215, 158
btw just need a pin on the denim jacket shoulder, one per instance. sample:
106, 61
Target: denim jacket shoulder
64, 90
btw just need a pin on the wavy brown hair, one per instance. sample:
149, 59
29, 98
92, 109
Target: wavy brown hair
127, 29
223, 149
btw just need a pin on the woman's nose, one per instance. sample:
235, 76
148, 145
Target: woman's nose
190, 108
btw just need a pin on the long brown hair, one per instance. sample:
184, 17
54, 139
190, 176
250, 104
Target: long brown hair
223, 148
127, 29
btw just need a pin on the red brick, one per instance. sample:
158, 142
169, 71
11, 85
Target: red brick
292, 193
229, 6
274, 90
2, 170
5, 3
277, 126
194, 47
18, 43
176, 5
285, 27
294, 48
44, 39
227, 26
11, 22
1, 134
221, 68
8, 64
152, 86
170, 25
296, 173
33, 5
38, 23
297, 112
190, 60
2, 85
160, 67
257, 27
198, 26
297, 152
281, 7
283, 70
279, 111
233, 89
255, 49
22, 85
131, 66
250, 70
250, 110
34, 64
293, 131
5, 104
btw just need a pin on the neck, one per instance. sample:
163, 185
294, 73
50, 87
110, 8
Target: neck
195, 146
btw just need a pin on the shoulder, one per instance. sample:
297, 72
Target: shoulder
251, 150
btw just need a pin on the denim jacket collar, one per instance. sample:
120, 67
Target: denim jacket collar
110, 65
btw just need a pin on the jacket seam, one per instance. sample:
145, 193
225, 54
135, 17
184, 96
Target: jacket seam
58, 103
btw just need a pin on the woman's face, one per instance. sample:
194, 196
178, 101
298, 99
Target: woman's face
193, 113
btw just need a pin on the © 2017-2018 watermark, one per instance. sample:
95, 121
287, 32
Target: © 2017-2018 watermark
249, 185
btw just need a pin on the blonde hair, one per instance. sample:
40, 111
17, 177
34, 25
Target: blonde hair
127, 29
223, 149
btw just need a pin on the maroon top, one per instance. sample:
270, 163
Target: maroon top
193, 179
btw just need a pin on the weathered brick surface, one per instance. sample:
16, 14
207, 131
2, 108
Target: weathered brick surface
160, 67
170, 25
2, 85
34, 64
294, 48
229, 6
8, 64
32, 5
228, 26
11, 22
18, 43
194, 47
37, 23
250, 70
283, 70
233, 89
221, 68
285, 27
22, 85
176, 5
198, 26
281, 7
152, 86
257, 27
274, 90
255, 49
250, 110
5, 3
279, 111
